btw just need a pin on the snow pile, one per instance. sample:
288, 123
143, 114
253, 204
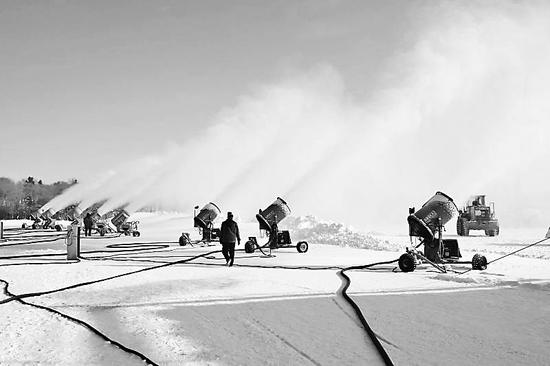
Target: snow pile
311, 229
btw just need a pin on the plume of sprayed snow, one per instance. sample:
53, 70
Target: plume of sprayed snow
463, 110
313, 230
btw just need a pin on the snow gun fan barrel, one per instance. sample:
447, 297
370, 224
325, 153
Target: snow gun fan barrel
76, 213
268, 220
437, 211
120, 218
46, 215
206, 216
274, 213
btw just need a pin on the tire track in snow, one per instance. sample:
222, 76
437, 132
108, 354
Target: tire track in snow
282, 339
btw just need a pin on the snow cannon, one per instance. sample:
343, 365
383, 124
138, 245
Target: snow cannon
206, 216
427, 224
99, 224
269, 220
273, 214
46, 216
77, 213
436, 212
204, 221
120, 218
43, 220
35, 217
120, 221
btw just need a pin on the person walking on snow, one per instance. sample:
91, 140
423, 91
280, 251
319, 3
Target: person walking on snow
88, 223
229, 234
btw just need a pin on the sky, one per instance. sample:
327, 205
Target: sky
89, 84
350, 110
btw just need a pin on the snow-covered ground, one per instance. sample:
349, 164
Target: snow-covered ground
203, 312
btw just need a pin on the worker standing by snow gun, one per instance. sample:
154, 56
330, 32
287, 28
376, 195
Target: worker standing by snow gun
229, 234
88, 223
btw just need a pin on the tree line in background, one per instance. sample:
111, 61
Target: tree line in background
19, 200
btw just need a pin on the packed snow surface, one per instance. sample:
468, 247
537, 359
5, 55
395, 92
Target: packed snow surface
202, 312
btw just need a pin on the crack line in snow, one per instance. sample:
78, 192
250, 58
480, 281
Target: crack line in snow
85, 325
282, 339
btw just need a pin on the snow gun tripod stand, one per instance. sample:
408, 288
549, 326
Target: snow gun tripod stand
427, 224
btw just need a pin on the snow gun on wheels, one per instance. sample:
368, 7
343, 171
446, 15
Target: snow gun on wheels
204, 221
100, 224
43, 220
123, 226
427, 225
269, 220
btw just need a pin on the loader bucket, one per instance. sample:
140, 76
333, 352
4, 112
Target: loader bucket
438, 210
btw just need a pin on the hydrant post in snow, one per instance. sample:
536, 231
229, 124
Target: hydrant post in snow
73, 242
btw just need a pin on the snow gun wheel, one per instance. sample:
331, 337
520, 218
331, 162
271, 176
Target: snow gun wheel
24, 226
302, 247
479, 262
102, 232
249, 247
407, 263
136, 234
58, 228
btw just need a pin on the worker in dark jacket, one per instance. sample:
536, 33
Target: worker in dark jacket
229, 235
88, 223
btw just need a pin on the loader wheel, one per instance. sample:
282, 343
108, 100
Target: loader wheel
407, 262
459, 230
302, 247
479, 262
24, 226
462, 227
58, 227
102, 232
465, 229
249, 247
136, 233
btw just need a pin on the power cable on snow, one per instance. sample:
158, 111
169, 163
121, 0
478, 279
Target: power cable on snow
138, 247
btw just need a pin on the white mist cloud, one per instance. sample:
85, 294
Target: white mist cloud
464, 110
